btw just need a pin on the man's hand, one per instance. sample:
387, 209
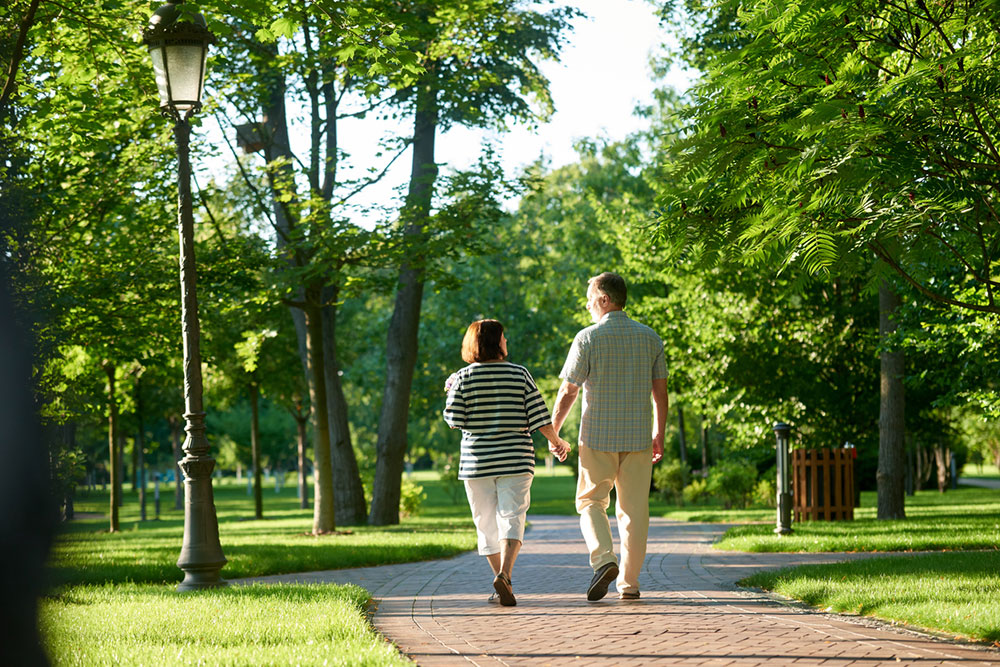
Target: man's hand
560, 449
657, 448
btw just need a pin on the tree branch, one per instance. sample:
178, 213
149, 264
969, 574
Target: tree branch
17, 56
884, 255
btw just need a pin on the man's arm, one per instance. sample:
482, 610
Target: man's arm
660, 405
564, 401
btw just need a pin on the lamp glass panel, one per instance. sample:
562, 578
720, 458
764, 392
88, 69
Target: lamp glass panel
186, 63
160, 72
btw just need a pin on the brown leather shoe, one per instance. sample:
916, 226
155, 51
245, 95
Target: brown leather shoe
628, 596
602, 579
501, 584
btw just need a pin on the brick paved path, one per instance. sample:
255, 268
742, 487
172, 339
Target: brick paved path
690, 612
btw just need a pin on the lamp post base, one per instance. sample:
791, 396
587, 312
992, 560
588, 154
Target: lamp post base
201, 553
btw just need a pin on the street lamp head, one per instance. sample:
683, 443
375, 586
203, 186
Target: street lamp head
178, 43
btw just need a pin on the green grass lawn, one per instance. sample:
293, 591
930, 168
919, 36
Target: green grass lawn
953, 592
136, 624
964, 518
984, 470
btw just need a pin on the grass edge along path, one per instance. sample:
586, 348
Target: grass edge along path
949, 593
136, 624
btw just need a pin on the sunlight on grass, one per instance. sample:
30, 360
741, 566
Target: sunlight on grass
965, 518
951, 592
132, 624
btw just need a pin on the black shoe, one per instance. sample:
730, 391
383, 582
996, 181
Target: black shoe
602, 579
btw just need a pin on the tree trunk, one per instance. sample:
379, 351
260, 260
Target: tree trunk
401, 343
175, 437
116, 469
681, 435
28, 515
349, 494
139, 447
300, 422
340, 464
135, 467
942, 457
324, 519
891, 427
258, 500
122, 472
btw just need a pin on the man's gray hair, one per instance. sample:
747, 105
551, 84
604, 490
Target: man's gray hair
613, 285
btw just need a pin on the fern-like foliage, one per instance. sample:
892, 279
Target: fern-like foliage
833, 133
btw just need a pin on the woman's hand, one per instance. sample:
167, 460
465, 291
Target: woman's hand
559, 448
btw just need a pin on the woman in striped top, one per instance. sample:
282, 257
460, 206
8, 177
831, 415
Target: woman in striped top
497, 406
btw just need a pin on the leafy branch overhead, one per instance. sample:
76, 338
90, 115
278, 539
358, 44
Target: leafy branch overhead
825, 134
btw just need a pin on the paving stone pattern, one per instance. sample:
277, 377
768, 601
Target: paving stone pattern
691, 612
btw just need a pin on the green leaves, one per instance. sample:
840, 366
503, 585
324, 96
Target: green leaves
843, 138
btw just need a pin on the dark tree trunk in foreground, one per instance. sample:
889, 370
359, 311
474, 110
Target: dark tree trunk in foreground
116, 466
401, 343
27, 512
258, 501
891, 426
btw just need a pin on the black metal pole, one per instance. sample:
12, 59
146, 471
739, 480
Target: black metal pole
201, 553
784, 519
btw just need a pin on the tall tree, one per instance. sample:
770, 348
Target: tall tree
478, 70
299, 57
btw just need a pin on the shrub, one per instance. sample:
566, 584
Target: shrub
732, 482
411, 498
696, 491
670, 478
766, 492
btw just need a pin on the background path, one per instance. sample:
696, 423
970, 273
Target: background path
690, 613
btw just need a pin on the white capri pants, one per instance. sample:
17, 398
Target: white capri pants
499, 505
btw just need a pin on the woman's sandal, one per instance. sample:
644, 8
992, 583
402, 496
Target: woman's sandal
501, 584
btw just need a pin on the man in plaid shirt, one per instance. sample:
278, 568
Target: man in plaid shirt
619, 363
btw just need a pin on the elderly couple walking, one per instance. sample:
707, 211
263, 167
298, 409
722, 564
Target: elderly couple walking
619, 364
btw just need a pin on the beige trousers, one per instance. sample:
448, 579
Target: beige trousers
629, 472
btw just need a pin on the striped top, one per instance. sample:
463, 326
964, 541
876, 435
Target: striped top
497, 406
616, 361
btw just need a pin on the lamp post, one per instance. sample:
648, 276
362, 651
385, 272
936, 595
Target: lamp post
784, 522
178, 42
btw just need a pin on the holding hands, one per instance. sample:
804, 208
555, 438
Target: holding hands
560, 448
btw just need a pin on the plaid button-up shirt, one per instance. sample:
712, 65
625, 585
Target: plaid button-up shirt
616, 361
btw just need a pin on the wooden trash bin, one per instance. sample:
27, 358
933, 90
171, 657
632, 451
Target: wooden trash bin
823, 484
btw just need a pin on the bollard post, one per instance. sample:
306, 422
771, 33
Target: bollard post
784, 520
